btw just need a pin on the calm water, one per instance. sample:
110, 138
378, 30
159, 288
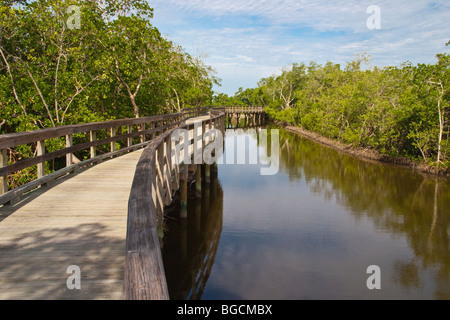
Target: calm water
312, 230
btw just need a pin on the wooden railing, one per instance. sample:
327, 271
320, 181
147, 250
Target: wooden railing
156, 179
244, 109
124, 131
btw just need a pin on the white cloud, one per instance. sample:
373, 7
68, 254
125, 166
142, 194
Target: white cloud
245, 39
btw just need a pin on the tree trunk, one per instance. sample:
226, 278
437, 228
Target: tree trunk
441, 125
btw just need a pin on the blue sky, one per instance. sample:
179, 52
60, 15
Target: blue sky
246, 40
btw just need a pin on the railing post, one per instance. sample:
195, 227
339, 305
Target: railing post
3, 179
41, 152
113, 143
198, 181
168, 160
165, 184
207, 173
93, 137
203, 135
130, 139
142, 128
69, 155
151, 127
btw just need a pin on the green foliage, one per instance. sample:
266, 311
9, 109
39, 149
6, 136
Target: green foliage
247, 97
114, 64
106, 61
398, 111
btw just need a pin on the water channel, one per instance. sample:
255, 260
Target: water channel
312, 230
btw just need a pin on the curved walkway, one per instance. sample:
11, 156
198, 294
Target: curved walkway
81, 220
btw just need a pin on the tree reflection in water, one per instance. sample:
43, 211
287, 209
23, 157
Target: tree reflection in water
395, 199
291, 236
191, 244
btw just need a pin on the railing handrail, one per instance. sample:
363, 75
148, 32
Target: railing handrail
244, 109
10, 140
144, 276
156, 125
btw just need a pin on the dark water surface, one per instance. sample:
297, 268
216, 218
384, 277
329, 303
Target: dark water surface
312, 230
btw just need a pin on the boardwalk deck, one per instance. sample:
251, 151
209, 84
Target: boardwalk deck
79, 221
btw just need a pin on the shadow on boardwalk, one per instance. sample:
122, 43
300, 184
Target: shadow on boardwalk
37, 246
33, 265
78, 220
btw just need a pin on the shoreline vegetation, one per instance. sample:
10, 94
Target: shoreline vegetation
365, 153
395, 114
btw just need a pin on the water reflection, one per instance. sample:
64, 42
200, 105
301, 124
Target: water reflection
190, 247
405, 204
311, 231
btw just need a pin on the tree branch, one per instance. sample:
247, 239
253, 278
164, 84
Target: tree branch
56, 73
131, 95
73, 97
12, 83
39, 92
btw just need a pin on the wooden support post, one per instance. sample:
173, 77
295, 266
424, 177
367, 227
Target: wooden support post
93, 137
69, 161
151, 126
165, 165
198, 216
113, 143
198, 181
168, 155
214, 170
183, 191
160, 125
3, 179
129, 139
41, 152
207, 173
175, 167
206, 199
183, 239
213, 188
142, 128
203, 135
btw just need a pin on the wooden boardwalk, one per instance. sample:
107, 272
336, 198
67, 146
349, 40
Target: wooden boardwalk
80, 220
104, 219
